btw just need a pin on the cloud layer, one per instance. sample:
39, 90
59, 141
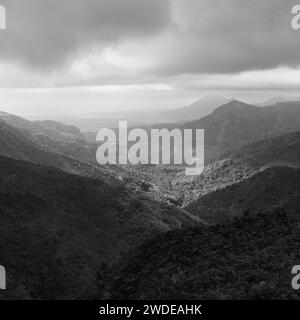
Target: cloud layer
111, 42
227, 36
47, 33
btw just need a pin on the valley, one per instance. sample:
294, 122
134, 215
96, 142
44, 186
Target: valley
74, 226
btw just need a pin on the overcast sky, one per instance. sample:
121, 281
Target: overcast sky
89, 55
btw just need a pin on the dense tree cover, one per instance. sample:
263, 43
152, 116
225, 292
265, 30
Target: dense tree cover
248, 258
267, 188
57, 229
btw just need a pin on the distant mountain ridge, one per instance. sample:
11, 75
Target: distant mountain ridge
91, 123
198, 109
67, 130
54, 137
276, 100
236, 124
47, 128
15, 144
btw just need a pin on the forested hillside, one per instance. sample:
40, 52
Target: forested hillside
249, 258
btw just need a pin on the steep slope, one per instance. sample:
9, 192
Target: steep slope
15, 144
216, 175
38, 128
239, 165
236, 124
284, 150
196, 110
265, 189
57, 229
54, 137
249, 258
68, 130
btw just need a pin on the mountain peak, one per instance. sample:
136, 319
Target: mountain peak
233, 106
198, 109
211, 99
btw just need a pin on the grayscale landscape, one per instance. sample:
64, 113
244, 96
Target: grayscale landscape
74, 229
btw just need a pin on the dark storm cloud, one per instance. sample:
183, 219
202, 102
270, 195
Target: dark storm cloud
227, 36
196, 36
44, 33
